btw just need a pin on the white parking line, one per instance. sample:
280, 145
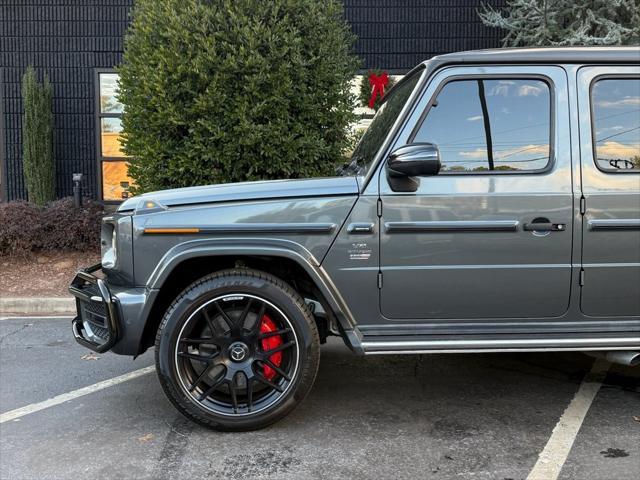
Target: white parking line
65, 397
556, 451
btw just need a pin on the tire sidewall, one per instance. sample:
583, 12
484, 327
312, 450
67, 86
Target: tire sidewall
237, 282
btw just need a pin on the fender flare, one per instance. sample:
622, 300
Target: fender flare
252, 247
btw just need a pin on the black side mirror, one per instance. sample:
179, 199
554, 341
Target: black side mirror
415, 160
410, 161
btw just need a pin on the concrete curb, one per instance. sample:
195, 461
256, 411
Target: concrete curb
47, 305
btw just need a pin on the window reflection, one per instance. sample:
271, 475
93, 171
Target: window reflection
108, 93
616, 123
110, 129
115, 180
490, 125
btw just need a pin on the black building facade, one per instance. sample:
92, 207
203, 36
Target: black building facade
79, 42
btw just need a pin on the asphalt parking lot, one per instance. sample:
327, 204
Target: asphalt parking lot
480, 416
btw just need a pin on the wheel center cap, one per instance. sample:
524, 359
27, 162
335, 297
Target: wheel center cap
238, 351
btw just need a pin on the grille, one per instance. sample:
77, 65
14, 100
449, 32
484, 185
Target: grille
94, 312
98, 331
91, 289
96, 308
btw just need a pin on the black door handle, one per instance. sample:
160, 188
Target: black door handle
544, 227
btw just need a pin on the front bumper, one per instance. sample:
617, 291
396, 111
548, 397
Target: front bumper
97, 323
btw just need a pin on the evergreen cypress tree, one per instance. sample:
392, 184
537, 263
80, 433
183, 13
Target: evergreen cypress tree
37, 139
566, 22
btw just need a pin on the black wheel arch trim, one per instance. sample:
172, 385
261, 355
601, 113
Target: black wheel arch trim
244, 247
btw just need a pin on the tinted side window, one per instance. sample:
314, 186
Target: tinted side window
484, 125
616, 124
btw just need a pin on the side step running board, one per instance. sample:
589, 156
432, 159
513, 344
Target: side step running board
500, 345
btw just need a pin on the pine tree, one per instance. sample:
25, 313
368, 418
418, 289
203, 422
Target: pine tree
566, 22
37, 139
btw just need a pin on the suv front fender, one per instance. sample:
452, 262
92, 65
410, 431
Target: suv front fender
242, 247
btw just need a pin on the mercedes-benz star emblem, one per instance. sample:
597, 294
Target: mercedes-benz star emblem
238, 352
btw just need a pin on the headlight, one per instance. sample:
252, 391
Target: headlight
109, 245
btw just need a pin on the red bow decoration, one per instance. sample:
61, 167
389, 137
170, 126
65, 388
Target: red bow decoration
377, 82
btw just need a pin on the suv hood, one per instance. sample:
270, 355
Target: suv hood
263, 190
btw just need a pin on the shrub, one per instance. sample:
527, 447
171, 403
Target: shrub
19, 225
26, 228
37, 139
68, 228
231, 90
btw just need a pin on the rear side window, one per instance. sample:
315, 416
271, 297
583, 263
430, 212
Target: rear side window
616, 124
490, 125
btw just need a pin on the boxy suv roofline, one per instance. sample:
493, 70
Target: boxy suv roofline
528, 55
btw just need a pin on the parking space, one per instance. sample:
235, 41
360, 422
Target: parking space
481, 416
609, 440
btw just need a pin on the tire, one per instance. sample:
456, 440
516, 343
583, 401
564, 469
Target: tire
237, 350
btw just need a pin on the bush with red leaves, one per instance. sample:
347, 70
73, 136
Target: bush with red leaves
19, 224
27, 228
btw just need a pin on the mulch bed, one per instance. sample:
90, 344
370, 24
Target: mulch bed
42, 274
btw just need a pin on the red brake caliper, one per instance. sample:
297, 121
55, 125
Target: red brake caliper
267, 326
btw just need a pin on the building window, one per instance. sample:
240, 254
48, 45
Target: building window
487, 125
616, 124
112, 162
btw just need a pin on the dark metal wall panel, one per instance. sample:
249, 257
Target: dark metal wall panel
69, 39
3, 172
395, 35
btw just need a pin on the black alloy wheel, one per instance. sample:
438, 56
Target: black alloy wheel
231, 359
237, 350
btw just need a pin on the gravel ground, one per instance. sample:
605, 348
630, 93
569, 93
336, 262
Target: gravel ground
42, 275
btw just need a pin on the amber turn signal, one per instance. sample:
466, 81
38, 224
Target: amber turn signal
160, 231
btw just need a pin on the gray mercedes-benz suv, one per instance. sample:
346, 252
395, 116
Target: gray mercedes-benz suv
492, 205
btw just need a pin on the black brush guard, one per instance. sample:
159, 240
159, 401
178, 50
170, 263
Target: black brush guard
97, 311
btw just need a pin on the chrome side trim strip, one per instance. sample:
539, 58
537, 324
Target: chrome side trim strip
513, 327
256, 228
431, 346
615, 224
493, 350
452, 226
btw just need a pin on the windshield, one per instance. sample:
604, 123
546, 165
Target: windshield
373, 138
